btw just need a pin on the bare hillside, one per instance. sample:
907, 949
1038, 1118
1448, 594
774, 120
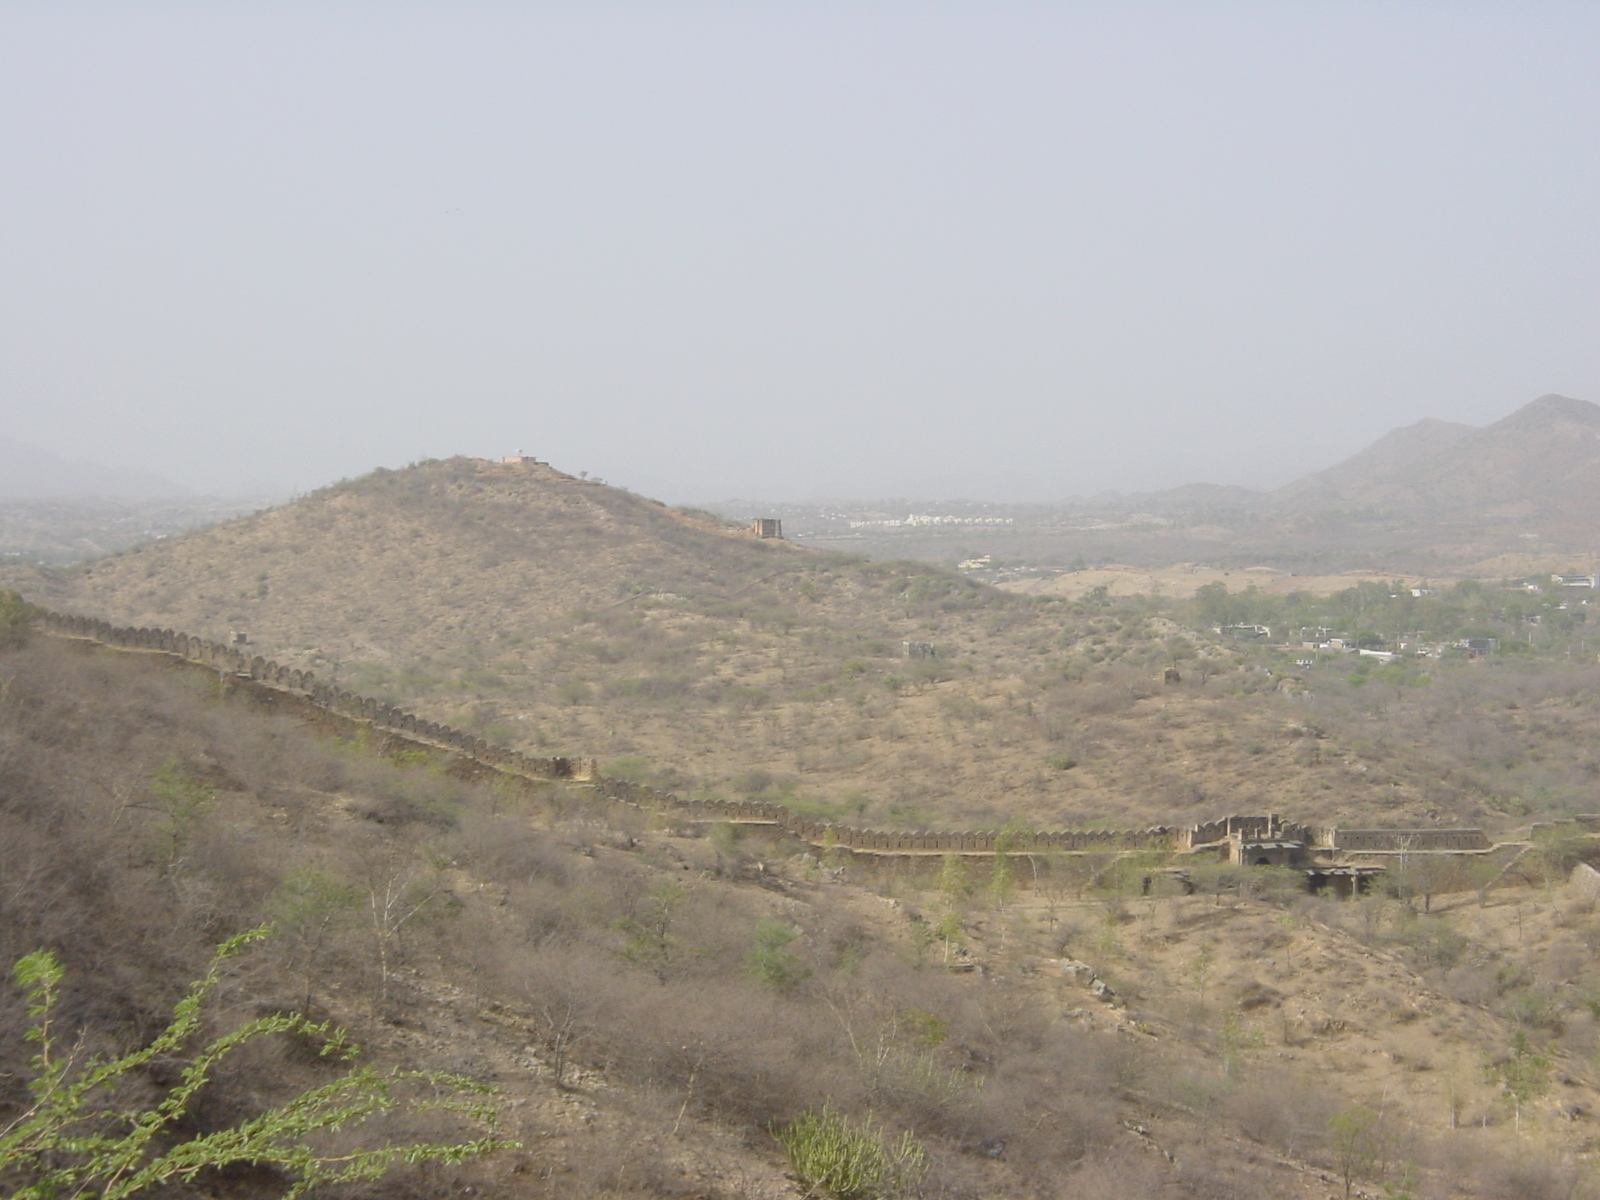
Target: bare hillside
561, 616
652, 1002
1541, 462
1379, 465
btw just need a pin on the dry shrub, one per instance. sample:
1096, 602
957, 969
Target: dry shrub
507, 849
741, 1052
1126, 1175
1280, 1112
1466, 1163
1101, 699
539, 928
627, 1158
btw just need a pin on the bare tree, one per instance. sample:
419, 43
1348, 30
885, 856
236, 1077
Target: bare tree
397, 894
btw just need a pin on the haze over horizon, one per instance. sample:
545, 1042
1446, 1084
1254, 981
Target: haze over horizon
1019, 252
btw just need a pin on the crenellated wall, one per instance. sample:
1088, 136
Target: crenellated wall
233, 660
822, 834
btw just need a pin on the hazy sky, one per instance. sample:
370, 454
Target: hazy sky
789, 249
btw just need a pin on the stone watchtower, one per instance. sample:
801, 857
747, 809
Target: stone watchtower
767, 527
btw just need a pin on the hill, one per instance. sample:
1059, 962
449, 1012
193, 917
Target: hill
1435, 498
653, 1001
1542, 462
1380, 465
29, 473
560, 615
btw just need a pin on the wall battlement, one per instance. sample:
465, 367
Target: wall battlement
1325, 844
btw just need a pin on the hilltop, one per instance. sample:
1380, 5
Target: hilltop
1388, 459
387, 561
1540, 463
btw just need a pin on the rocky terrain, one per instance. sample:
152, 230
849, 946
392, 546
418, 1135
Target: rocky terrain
653, 1001
658, 999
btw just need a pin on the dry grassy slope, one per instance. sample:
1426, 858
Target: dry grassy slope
674, 1080
1243, 1026
1391, 455
562, 615
1362, 1001
391, 564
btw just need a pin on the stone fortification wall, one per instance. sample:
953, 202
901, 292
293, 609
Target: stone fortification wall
1399, 841
884, 841
1579, 823
1268, 828
236, 661
239, 662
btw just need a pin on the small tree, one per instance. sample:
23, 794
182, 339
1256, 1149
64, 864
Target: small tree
305, 911
1422, 873
1216, 879
562, 1018
1002, 872
1201, 968
181, 800
954, 884
75, 1139
1480, 875
397, 895
769, 958
949, 933
16, 615
651, 943
1355, 1135
1524, 1074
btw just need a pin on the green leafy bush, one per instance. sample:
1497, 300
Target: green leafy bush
76, 1139
848, 1160
771, 961
15, 616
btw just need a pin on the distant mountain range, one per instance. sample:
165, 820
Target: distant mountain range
1541, 462
1419, 498
1542, 459
30, 473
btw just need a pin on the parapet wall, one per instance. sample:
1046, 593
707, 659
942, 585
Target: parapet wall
823, 834
1401, 840
233, 660
888, 841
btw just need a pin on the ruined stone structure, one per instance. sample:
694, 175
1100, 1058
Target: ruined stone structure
1339, 858
766, 527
